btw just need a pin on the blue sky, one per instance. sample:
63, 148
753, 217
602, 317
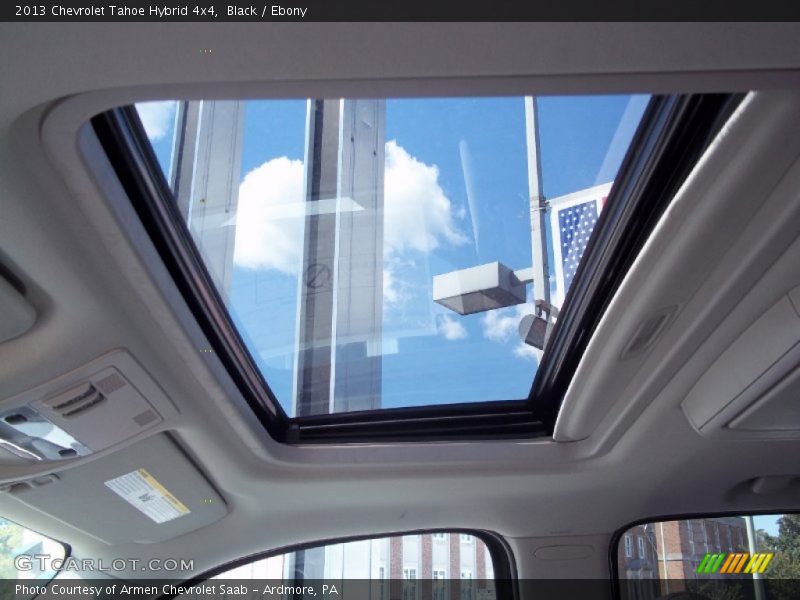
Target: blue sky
456, 196
768, 523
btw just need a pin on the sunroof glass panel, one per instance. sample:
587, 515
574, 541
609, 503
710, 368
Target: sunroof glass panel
380, 253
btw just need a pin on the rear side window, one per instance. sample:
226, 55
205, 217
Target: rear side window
27, 557
439, 566
740, 557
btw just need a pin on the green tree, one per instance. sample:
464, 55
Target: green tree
761, 540
786, 546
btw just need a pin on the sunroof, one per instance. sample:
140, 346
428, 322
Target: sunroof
384, 253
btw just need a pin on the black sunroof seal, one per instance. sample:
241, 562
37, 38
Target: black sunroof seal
672, 136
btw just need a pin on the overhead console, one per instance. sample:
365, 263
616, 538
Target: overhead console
95, 437
91, 409
753, 389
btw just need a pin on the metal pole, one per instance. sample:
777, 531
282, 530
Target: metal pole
538, 205
204, 175
753, 548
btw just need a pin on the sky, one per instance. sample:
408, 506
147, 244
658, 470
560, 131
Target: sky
768, 523
455, 196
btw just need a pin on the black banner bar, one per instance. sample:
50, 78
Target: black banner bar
741, 587
405, 10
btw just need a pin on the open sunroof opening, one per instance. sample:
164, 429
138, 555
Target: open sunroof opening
394, 252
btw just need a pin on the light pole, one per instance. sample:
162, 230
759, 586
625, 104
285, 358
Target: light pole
494, 285
647, 534
752, 544
538, 204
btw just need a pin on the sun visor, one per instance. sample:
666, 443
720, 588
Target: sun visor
148, 492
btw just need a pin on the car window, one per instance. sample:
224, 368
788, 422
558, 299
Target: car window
738, 557
439, 566
27, 559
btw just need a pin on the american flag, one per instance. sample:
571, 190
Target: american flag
572, 220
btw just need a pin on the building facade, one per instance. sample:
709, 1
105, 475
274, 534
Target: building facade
432, 565
672, 550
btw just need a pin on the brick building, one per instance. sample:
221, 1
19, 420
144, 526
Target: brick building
674, 549
415, 562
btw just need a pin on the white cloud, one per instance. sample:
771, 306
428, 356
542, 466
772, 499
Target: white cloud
450, 328
264, 240
157, 118
502, 325
418, 214
523, 350
391, 290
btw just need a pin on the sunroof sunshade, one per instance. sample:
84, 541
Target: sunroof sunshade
382, 253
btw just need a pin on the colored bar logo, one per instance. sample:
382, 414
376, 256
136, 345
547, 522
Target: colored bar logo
734, 562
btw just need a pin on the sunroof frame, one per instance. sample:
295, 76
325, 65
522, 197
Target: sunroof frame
674, 132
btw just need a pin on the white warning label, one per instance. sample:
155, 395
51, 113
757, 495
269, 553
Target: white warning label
142, 491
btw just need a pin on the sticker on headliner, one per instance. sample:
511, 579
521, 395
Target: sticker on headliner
142, 491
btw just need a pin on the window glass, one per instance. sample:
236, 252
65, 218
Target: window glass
379, 253
759, 559
408, 567
27, 558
